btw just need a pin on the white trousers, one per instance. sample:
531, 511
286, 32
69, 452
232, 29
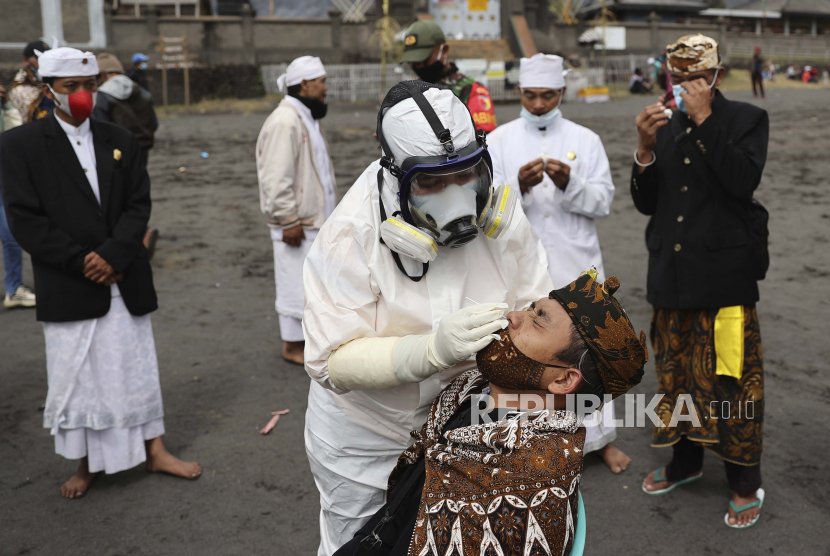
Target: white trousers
109, 450
345, 505
288, 278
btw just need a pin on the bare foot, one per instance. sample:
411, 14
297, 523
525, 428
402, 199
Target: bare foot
746, 516
293, 352
614, 458
651, 486
79, 483
159, 460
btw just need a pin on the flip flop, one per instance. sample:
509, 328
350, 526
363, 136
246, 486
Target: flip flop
738, 509
660, 476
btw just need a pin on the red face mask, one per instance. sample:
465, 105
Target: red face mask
78, 105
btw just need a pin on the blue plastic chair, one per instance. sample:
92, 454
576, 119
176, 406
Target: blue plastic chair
579, 535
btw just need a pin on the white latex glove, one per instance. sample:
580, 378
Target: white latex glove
379, 363
465, 332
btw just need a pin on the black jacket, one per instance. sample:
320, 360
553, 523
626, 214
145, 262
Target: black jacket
135, 113
54, 216
698, 194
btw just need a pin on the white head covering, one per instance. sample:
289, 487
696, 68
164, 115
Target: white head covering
543, 71
66, 62
304, 67
408, 133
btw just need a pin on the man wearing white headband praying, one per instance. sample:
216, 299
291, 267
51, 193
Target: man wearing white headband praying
77, 197
296, 188
563, 174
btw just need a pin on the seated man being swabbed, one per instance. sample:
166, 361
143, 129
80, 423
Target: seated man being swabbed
485, 477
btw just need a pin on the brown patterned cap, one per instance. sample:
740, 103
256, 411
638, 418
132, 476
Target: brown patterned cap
601, 321
693, 53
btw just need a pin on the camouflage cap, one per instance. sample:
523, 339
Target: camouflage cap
420, 38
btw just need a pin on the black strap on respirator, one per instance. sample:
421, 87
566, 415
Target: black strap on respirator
415, 90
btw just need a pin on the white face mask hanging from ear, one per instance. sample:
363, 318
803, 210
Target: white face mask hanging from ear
544, 120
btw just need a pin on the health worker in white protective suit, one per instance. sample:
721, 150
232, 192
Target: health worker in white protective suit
393, 284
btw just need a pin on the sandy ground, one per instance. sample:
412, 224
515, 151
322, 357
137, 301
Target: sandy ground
218, 346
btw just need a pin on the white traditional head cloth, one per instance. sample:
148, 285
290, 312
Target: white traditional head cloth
542, 71
66, 62
304, 67
408, 132
693, 53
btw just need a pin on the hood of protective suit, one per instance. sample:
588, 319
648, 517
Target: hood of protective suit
408, 133
119, 87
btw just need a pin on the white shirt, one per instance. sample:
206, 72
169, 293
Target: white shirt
321, 153
81, 140
563, 220
353, 289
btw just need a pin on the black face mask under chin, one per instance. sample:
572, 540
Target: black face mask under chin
317, 107
431, 73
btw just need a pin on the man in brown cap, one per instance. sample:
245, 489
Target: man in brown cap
695, 171
124, 103
496, 477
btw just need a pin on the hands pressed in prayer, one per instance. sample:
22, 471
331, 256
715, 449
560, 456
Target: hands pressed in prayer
559, 173
273, 422
293, 236
531, 174
698, 98
98, 270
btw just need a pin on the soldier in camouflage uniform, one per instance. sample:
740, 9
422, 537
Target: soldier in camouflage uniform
426, 50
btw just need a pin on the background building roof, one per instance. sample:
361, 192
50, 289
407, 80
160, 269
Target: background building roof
656, 5
807, 7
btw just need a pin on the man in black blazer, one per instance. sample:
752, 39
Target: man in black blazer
695, 172
77, 197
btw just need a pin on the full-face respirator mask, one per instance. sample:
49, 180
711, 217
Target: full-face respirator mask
445, 199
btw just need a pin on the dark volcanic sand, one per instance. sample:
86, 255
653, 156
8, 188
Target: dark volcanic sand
221, 372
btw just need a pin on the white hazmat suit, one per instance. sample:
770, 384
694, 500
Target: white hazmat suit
354, 291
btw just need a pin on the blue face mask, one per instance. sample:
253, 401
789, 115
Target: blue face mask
542, 121
678, 100
142, 66
677, 89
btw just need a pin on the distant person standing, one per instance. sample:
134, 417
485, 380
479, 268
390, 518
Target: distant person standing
756, 71
125, 103
17, 295
296, 187
427, 51
138, 71
26, 91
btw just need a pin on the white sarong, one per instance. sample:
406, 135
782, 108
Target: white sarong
600, 433
288, 276
104, 395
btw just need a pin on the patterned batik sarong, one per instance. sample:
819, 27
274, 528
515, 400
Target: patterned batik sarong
731, 411
508, 487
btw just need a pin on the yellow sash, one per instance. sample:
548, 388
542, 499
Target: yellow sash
729, 341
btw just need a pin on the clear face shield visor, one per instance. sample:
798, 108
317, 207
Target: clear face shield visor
449, 201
